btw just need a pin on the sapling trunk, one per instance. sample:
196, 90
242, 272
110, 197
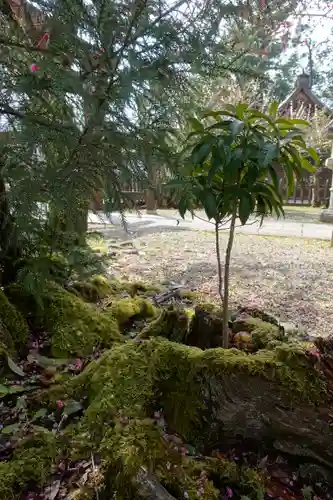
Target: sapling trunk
218, 258
225, 318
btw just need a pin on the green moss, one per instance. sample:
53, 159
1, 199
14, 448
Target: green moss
172, 323
133, 287
141, 288
129, 383
77, 327
129, 308
194, 297
240, 479
6, 340
254, 313
93, 289
129, 377
263, 332
13, 321
31, 464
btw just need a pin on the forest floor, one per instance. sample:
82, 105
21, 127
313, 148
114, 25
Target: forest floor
288, 277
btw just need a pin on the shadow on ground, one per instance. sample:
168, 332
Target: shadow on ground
136, 230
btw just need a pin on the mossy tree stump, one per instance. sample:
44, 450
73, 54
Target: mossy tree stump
278, 398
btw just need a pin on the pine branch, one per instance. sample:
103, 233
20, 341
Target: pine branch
102, 101
29, 48
8, 111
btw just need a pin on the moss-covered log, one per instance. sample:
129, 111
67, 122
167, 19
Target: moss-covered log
74, 326
172, 323
276, 398
14, 329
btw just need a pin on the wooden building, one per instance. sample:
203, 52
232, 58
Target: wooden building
303, 103
302, 97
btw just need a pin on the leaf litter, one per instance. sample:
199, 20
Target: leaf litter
288, 277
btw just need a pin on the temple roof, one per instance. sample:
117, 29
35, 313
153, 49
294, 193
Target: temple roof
302, 94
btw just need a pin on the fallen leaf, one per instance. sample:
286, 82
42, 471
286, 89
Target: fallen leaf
15, 389
72, 407
45, 362
52, 491
13, 366
10, 429
39, 428
263, 462
40, 414
3, 390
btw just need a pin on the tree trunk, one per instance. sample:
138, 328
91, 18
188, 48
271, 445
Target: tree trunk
276, 401
151, 201
225, 332
9, 250
315, 192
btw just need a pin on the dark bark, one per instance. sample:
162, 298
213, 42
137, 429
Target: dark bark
10, 254
150, 488
206, 327
243, 408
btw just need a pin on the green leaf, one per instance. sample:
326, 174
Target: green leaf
40, 428
196, 125
255, 114
216, 163
272, 152
39, 414
236, 127
314, 155
11, 429
45, 362
290, 179
72, 407
240, 110
297, 121
201, 151
274, 177
307, 165
273, 109
290, 136
13, 366
245, 208
16, 389
291, 122
223, 125
183, 206
209, 204
3, 390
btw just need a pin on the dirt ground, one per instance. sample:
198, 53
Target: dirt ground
291, 278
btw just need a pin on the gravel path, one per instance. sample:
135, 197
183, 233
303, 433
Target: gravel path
289, 277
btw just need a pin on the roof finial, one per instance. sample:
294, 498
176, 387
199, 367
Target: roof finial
303, 80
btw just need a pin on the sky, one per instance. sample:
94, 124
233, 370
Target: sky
321, 21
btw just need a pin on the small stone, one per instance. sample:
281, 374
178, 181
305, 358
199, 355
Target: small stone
289, 327
242, 339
